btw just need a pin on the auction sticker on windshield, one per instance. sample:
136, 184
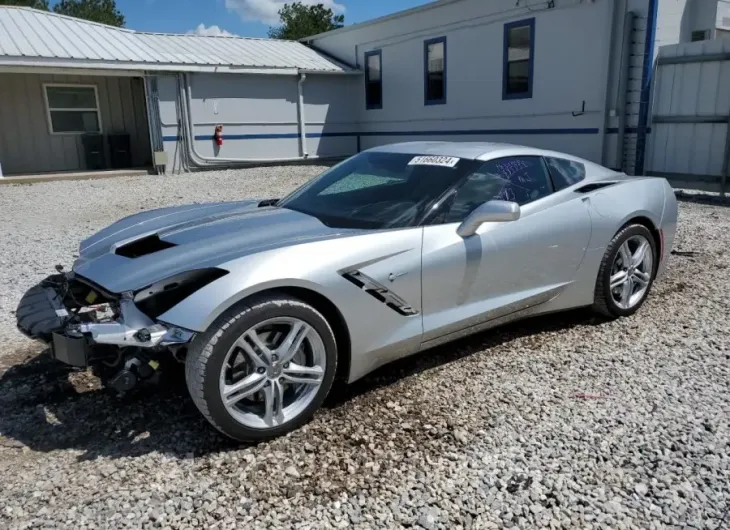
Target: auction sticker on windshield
444, 161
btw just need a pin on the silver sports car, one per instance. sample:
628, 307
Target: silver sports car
393, 251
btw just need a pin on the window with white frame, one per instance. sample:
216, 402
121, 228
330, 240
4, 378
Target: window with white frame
73, 109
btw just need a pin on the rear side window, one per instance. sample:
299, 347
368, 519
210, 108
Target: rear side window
565, 172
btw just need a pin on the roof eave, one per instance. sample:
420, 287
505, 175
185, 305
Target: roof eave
48, 62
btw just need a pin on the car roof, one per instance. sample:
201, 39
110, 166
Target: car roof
485, 151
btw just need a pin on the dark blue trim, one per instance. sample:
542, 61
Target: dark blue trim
358, 144
371, 53
463, 132
505, 59
472, 132
426, 44
646, 79
629, 130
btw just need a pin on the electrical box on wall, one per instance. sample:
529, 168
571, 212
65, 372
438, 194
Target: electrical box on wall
160, 158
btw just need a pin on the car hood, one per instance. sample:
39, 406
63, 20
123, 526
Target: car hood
190, 237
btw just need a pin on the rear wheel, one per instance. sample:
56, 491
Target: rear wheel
262, 370
627, 272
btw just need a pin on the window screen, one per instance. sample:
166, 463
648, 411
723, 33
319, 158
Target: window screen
518, 59
565, 172
73, 109
435, 81
373, 80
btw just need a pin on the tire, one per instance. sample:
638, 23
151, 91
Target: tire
605, 299
210, 351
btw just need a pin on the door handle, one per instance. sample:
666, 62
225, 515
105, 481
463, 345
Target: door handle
392, 276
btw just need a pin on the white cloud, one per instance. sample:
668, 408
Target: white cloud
267, 11
210, 31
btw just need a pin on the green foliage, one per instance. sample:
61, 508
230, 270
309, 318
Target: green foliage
299, 21
102, 11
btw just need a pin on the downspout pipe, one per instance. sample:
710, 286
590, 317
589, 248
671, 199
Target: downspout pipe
646, 85
609, 80
199, 160
302, 120
623, 89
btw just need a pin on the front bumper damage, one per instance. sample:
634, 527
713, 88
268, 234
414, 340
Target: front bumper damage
85, 326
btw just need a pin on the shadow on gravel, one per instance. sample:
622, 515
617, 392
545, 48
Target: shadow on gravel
47, 406
702, 198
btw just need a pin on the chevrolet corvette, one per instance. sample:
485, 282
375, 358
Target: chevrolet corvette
391, 252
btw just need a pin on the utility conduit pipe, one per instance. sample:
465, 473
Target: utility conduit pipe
206, 162
302, 122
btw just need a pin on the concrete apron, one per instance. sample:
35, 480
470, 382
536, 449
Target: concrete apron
74, 175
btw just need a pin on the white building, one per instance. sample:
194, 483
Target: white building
572, 75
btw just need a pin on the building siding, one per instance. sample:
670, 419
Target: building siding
26, 146
572, 47
260, 117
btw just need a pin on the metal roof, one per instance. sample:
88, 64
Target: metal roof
29, 37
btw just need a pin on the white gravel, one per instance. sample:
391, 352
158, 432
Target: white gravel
557, 422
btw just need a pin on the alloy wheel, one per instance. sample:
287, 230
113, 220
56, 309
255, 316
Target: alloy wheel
631, 271
272, 372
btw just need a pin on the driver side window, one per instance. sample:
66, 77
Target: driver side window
521, 179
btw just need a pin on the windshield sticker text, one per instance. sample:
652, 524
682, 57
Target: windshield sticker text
443, 161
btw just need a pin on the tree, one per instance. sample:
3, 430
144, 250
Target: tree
299, 21
35, 4
102, 11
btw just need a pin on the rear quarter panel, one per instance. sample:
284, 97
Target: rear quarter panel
610, 209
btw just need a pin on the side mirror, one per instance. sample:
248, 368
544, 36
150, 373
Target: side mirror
489, 212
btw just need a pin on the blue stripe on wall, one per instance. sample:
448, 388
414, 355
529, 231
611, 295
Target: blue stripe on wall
466, 132
470, 132
629, 130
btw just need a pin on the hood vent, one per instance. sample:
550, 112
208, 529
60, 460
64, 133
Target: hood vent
143, 247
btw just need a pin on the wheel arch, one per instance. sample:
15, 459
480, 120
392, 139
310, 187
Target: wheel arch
653, 229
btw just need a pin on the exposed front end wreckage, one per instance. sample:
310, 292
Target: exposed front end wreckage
116, 335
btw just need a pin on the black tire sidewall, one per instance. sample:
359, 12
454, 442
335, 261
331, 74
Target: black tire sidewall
260, 312
619, 239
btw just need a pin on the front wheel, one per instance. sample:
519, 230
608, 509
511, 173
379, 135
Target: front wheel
626, 273
262, 370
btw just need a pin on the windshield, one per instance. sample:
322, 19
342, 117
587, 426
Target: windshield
378, 190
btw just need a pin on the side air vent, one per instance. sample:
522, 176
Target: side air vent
142, 247
594, 186
380, 292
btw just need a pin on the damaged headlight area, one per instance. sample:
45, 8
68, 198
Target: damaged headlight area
118, 335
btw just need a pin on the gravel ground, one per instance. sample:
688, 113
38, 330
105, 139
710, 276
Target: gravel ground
561, 422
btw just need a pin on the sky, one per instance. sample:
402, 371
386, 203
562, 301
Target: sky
246, 18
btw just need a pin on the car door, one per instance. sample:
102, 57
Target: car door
504, 267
